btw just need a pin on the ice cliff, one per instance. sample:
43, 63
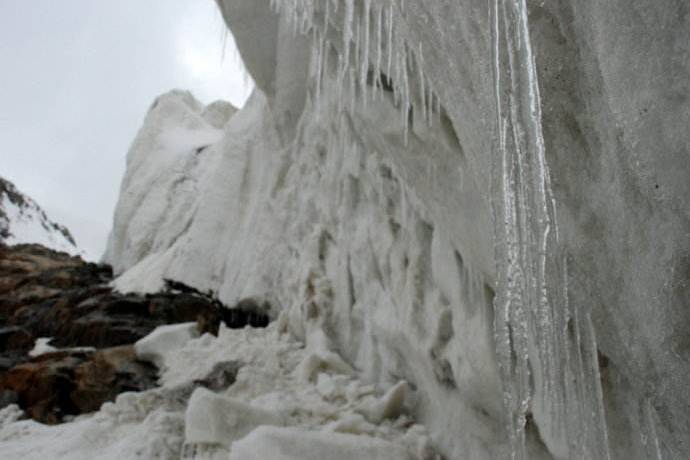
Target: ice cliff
23, 221
487, 200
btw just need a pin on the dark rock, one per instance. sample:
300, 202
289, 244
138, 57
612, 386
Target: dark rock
108, 373
247, 312
64, 383
8, 397
177, 286
15, 338
51, 294
43, 386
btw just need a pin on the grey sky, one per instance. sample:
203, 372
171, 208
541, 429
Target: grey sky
76, 78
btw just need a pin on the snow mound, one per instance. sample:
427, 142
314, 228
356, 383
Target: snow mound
22, 221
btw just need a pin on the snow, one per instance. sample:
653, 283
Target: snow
182, 417
296, 444
41, 347
215, 419
163, 341
28, 223
389, 406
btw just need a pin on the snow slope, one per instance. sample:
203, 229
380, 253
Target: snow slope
23, 221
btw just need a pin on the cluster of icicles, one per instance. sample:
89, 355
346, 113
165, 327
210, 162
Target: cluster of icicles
546, 347
365, 41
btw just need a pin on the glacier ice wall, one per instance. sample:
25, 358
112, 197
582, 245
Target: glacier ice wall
486, 199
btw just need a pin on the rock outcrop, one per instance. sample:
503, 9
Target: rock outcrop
55, 385
92, 330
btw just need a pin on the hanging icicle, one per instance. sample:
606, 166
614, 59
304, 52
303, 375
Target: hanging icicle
546, 347
370, 42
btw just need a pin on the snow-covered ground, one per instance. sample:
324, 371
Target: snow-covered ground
289, 402
23, 221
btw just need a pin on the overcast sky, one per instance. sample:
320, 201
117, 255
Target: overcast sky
76, 79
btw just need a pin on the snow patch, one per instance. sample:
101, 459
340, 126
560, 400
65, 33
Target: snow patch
164, 340
41, 346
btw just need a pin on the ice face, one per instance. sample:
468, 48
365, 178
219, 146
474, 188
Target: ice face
482, 220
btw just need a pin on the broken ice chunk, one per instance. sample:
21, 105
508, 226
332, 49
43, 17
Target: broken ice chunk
215, 419
297, 444
164, 340
390, 406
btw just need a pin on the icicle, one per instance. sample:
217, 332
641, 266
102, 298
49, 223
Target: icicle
430, 104
326, 18
347, 31
340, 81
314, 56
391, 46
358, 44
353, 88
294, 18
364, 64
366, 25
406, 95
536, 328
379, 51
397, 83
318, 51
325, 68
422, 88
650, 438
